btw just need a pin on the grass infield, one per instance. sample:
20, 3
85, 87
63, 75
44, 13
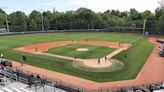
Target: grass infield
70, 51
137, 55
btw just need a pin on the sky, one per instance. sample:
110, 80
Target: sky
63, 5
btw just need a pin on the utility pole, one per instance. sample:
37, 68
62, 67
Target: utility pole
42, 20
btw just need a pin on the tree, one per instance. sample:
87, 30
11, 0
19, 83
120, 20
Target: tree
148, 15
158, 13
135, 15
132, 11
161, 18
161, 23
2, 20
18, 21
99, 22
82, 18
33, 25
161, 2
36, 16
48, 20
46, 23
2, 11
123, 14
86, 16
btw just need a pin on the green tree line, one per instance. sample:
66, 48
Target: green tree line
83, 18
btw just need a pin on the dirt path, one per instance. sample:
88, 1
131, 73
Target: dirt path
45, 46
64, 57
40, 48
150, 73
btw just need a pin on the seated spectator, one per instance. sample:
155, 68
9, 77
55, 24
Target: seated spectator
9, 64
32, 75
38, 76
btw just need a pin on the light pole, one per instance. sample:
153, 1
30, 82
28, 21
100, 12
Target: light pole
144, 26
6, 19
42, 20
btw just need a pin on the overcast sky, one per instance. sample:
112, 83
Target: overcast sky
63, 5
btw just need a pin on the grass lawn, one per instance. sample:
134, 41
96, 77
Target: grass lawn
70, 51
137, 55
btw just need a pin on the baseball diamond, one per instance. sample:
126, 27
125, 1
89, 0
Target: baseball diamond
81, 46
123, 57
52, 63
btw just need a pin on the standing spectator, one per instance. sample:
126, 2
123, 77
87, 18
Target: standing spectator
99, 61
36, 49
106, 58
75, 57
24, 58
22, 62
119, 44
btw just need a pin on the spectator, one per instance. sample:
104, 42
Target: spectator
38, 76
36, 49
24, 58
2, 56
32, 75
106, 58
75, 57
22, 62
98, 60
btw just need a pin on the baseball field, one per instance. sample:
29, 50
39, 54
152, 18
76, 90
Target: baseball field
136, 55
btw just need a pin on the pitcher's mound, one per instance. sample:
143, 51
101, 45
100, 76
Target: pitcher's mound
82, 49
104, 66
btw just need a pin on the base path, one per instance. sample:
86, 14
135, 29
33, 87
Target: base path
40, 48
152, 72
45, 46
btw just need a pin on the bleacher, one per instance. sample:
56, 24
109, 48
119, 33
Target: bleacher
16, 80
156, 87
10, 75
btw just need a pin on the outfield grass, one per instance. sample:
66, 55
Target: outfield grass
137, 55
70, 51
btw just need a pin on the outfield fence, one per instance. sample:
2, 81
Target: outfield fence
112, 29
